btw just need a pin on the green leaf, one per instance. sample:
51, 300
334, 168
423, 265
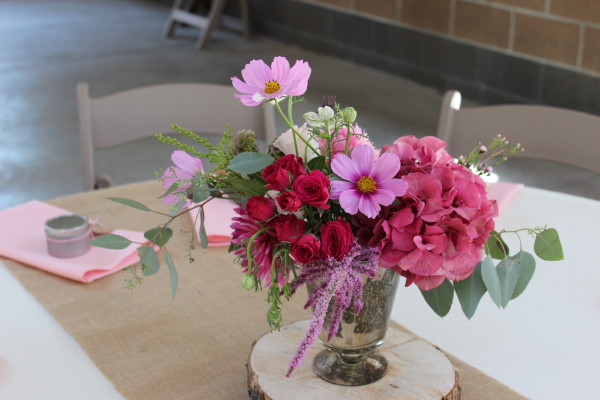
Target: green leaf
130, 203
491, 280
470, 291
440, 298
170, 190
248, 187
527, 270
200, 193
317, 163
202, 231
249, 162
111, 241
547, 245
148, 260
159, 236
509, 272
172, 273
496, 247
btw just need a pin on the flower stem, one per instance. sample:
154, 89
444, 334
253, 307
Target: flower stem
294, 131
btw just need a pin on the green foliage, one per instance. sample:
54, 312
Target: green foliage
496, 247
200, 191
248, 163
148, 260
159, 235
547, 245
202, 231
134, 280
527, 269
440, 298
491, 279
470, 291
248, 187
483, 158
172, 273
130, 203
317, 163
509, 271
111, 241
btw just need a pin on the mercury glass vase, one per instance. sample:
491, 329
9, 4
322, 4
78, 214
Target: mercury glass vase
350, 358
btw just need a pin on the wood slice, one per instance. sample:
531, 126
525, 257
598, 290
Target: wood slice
417, 370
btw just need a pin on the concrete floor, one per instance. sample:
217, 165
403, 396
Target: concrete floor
48, 47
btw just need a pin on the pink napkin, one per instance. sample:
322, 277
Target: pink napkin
217, 221
503, 193
22, 238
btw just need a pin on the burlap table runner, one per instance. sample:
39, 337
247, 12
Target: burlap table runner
193, 347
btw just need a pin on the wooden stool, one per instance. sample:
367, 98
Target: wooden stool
180, 14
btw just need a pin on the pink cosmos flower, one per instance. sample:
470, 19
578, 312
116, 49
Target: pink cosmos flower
262, 82
368, 184
183, 171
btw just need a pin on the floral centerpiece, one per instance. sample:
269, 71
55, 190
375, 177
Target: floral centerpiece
323, 206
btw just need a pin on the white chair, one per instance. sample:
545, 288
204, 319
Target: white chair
142, 112
548, 133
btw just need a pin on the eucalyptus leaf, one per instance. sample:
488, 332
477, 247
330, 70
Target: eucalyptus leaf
159, 236
317, 163
111, 241
248, 187
148, 260
202, 231
547, 245
491, 280
496, 247
527, 270
130, 203
172, 273
470, 291
249, 162
170, 190
509, 272
200, 193
440, 298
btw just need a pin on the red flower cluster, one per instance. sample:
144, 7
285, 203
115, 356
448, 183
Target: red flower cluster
271, 218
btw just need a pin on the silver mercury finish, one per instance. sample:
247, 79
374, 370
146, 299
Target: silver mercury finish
68, 235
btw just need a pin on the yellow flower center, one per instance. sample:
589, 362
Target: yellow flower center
272, 87
366, 184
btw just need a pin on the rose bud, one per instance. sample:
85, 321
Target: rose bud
260, 208
336, 238
313, 189
289, 201
305, 249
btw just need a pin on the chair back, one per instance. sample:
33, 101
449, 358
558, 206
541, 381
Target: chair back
548, 133
142, 112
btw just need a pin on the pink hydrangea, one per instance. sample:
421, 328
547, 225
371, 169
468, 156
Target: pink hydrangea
418, 154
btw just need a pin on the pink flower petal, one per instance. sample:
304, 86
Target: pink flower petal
248, 100
383, 197
281, 69
337, 187
298, 75
257, 73
345, 168
349, 201
186, 163
397, 186
243, 87
368, 206
386, 167
362, 156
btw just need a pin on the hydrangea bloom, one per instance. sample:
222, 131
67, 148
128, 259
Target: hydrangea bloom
368, 184
183, 171
263, 82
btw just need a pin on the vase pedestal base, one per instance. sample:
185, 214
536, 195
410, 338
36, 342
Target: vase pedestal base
416, 369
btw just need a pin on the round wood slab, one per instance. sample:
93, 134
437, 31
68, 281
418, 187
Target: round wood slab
417, 370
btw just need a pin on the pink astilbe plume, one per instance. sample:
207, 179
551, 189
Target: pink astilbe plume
340, 280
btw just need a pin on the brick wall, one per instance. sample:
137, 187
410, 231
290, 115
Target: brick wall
561, 31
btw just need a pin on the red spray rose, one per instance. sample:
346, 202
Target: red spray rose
336, 238
288, 227
313, 189
305, 249
260, 208
289, 201
277, 174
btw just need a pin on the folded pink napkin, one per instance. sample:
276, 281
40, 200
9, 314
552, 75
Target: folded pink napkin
217, 221
22, 238
503, 193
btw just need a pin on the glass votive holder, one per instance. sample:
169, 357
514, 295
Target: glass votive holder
68, 235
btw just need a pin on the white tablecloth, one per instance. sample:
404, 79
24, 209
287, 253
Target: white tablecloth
544, 345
